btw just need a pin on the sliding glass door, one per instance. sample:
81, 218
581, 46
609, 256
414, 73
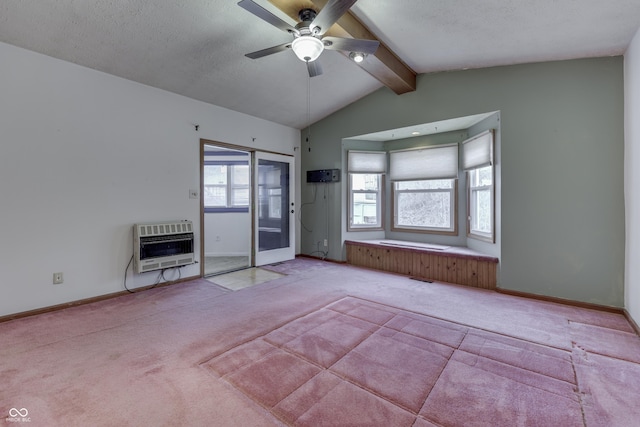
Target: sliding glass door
274, 213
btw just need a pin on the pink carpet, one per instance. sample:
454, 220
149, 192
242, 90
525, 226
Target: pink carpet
394, 367
327, 345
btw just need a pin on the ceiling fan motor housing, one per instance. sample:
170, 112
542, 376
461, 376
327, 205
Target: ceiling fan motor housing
307, 15
306, 44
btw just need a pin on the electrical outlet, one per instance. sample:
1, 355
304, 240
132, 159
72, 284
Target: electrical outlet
58, 278
326, 243
193, 194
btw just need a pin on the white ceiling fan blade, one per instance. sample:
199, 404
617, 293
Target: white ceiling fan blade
330, 13
264, 14
367, 47
269, 51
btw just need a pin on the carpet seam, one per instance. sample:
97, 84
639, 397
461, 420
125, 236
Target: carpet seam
337, 374
466, 325
323, 369
298, 388
578, 391
599, 353
261, 334
523, 369
442, 371
377, 328
374, 392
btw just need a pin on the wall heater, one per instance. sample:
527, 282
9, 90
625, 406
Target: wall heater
162, 245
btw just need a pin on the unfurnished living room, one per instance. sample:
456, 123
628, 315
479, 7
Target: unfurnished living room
320, 213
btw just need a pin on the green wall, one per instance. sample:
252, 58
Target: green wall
562, 142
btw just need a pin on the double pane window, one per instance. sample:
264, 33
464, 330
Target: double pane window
365, 203
226, 185
481, 201
424, 189
478, 163
366, 170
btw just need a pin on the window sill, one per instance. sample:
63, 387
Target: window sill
226, 210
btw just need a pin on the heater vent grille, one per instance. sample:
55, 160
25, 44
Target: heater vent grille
162, 245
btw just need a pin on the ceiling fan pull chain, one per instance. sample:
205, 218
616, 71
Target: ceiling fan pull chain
309, 111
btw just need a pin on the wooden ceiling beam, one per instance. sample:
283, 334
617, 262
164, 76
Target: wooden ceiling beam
384, 64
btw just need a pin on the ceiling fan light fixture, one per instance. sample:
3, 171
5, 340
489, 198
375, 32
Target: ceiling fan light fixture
307, 48
357, 57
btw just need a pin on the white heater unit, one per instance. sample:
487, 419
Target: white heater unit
162, 245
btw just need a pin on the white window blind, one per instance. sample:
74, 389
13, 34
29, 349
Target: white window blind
436, 162
477, 152
367, 162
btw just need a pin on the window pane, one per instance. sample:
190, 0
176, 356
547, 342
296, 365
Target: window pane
215, 195
424, 185
365, 200
240, 197
432, 210
481, 177
215, 174
364, 209
481, 202
275, 200
364, 181
482, 218
262, 201
240, 174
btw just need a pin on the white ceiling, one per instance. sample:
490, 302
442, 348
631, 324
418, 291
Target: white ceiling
196, 48
449, 125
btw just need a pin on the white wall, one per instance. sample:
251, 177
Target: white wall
632, 177
227, 234
83, 156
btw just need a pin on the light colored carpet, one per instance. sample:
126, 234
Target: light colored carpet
326, 344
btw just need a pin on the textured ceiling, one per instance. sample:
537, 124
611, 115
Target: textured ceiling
196, 48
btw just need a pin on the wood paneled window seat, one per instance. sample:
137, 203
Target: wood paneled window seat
425, 261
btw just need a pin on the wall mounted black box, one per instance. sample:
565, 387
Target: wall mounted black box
324, 175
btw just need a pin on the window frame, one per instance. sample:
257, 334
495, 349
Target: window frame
472, 208
453, 231
380, 210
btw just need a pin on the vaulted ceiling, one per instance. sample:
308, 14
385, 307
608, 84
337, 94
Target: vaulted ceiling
197, 48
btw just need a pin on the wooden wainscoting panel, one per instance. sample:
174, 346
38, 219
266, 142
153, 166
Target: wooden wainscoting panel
472, 273
453, 265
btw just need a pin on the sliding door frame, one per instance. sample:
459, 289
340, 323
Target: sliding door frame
252, 192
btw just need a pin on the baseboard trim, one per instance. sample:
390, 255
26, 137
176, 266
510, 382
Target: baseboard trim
98, 298
599, 307
335, 261
632, 322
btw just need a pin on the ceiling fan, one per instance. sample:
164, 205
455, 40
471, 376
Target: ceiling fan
308, 41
